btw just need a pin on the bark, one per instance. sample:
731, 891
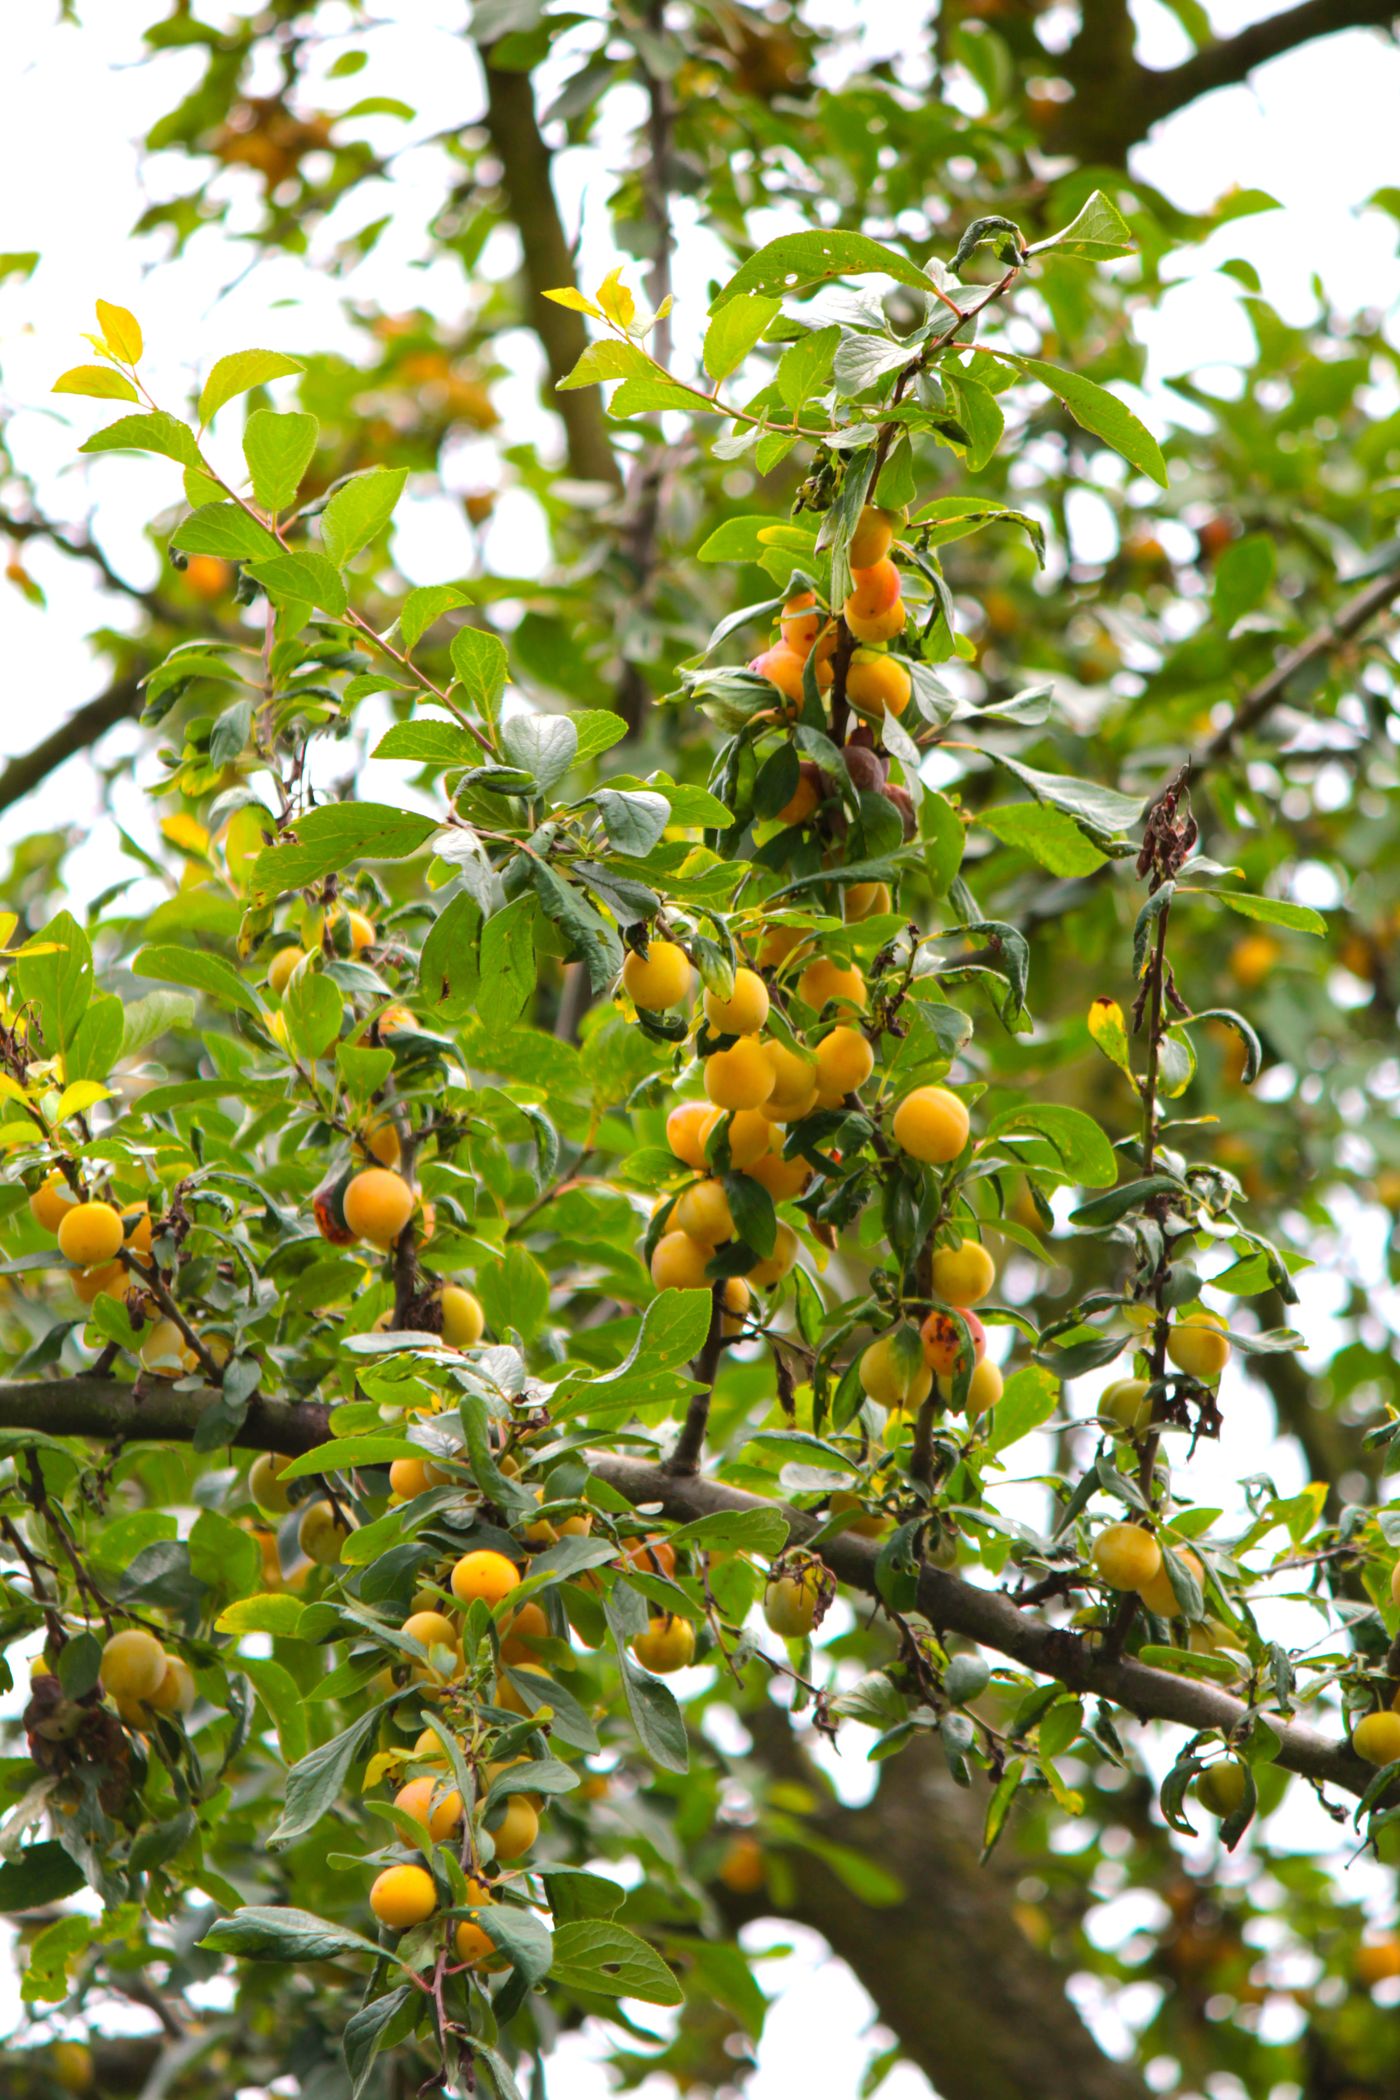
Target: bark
105, 1409
546, 265
1117, 100
979, 2009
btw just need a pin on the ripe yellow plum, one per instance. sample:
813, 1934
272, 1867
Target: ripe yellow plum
931, 1124
659, 979
744, 1011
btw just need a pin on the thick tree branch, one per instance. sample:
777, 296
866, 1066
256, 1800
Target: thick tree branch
120, 703
546, 264
101, 1408
1233, 59
1000, 2024
154, 1411
1117, 100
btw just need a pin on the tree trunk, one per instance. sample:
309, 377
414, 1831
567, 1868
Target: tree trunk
979, 2009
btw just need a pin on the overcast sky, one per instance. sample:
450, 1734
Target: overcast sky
1317, 130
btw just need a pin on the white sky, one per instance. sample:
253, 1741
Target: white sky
1315, 129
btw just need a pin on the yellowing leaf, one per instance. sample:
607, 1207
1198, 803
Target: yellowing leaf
1108, 1031
82, 1094
382, 1763
575, 301
186, 832
121, 331
11, 1090
8, 922
98, 382
616, 300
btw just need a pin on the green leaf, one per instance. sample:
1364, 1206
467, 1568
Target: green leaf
146, 1019
1243, 575
367, 2030
343, 1454
1097, 232
590, 937
312, 1007
804, 367
1049, 835
262, 1932
797, 260
951, 518
597, 1956
749, 539
642, 397
480, 664
98, 382
240, 372
59, 981
274, 1612
278, 449
1029, 1397
1102, 414
1087, 1156
329, 838
609, 359
227, 530
421, 608
515, 1293
358, 512
524, 1939
1129, 1195
314, 1785
672, 1333
37, 1876
863, 360
1253, 1048
598, 731
428, 743
634, 821
97, 1041
156, 432
308, 578
980, 414
1274, 911
762, 1531
734, 331
541, 745
201, 973
1102, 809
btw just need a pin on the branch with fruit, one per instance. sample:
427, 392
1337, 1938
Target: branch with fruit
772, 1194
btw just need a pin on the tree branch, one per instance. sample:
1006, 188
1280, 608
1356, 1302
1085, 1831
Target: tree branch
1380, 593
101, 1408
690, 1444
546, 264
23, 774
1232, 60
1000, 2024
84, 549
1117, 100
155, 1412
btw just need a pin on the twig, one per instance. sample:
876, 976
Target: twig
690, 1444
